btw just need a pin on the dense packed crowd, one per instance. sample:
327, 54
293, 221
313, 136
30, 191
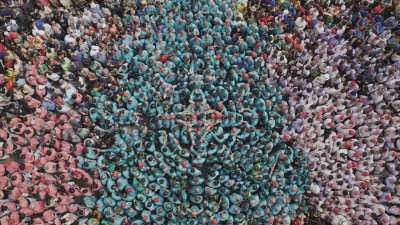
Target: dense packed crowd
340, 72
342, 85
199, 112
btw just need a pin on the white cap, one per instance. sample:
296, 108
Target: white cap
315, 189
395, 57
319, 28
54, 77
300, 23
94, 50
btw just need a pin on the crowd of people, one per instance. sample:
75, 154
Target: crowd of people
200, 112
342, 86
